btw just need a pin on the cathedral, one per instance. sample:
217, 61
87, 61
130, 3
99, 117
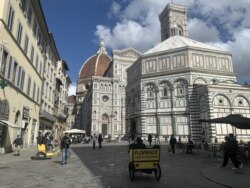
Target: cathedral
164, 91
101, 90
180, 81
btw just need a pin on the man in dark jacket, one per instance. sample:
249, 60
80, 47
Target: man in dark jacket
231, 149
138, 145
65, 142
40, 139
100, 139
172, 143
18, 142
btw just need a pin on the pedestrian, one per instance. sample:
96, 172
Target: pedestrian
93, 140
190, 145
47, 141
231, 149
149, 139
100, 139
18, 142
65, 142
40, 139
172, 143
138, 145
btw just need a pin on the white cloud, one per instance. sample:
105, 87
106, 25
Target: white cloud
240, 50
223, 23
206, 33
115, 9
72, 89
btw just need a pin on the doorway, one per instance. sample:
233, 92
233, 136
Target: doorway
104, 129
133, 130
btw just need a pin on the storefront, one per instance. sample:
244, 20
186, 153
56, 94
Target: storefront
8, 131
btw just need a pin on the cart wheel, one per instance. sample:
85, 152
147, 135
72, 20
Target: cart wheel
131, 169
158, 172
40, 155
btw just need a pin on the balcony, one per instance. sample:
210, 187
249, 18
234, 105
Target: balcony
45, 115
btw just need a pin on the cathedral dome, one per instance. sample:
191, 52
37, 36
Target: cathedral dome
97, 64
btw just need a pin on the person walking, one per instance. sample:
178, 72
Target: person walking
94, 140
149, 139
100, 139
231, 149
172, 143
65, 142
190, 145
18, 142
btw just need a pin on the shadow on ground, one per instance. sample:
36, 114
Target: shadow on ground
110, 166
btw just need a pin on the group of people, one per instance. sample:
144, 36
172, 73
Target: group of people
45, 139
98, 139
230, 148
173, 142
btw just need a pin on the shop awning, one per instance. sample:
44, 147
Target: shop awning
9, 124
75, 131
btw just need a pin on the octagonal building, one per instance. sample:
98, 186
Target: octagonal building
179, 81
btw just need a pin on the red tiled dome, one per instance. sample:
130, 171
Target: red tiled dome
96, 65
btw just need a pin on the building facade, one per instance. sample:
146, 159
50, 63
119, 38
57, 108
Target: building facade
60, 99
179, 81
28, 57
103, 105
71, 107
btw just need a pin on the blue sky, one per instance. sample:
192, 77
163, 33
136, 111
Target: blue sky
77, 24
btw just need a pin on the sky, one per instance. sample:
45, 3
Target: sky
78, 24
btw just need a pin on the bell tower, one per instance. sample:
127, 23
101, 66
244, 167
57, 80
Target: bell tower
173, 21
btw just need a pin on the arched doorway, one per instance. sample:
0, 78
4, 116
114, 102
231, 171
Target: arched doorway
104, 125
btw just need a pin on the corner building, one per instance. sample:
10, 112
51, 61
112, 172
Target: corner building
28, 62
179, 81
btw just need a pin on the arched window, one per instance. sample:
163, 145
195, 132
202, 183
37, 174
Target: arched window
181, 91
150, 91
17, 116
150, 94
165, 92
94, 114
176, 31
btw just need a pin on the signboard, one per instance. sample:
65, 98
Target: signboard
146, 154
25, 113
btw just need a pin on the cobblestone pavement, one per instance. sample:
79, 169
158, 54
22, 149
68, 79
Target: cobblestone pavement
108, 168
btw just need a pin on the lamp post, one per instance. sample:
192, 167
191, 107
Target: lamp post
122, 116
112, 98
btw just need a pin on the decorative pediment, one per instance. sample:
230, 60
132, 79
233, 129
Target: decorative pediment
229, 82
127, 53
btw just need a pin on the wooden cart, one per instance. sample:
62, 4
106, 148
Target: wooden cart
144, 160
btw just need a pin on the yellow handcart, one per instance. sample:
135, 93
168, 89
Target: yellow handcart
43, 153
144, 160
